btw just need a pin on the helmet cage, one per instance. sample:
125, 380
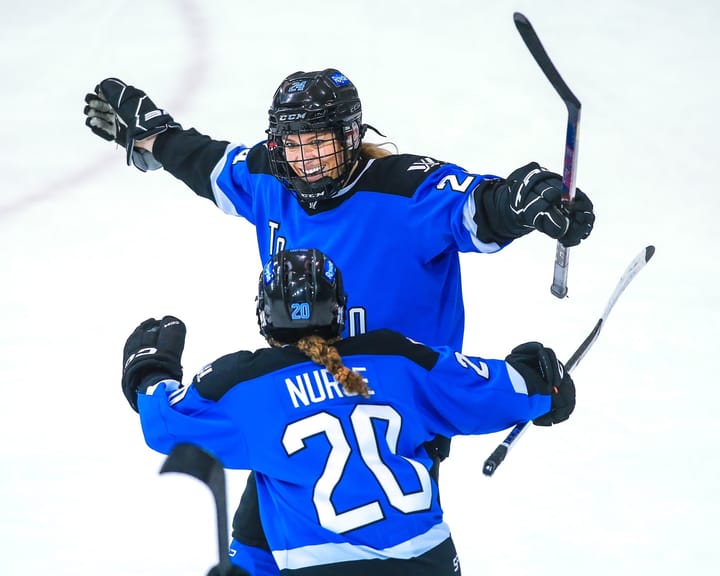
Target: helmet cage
300, 293
322, 103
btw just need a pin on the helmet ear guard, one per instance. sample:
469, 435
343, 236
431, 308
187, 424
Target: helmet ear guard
300, 293
312, 102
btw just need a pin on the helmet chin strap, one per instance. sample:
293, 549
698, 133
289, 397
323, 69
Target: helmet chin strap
315, 192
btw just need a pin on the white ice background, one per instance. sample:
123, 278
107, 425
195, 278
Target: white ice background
90, 247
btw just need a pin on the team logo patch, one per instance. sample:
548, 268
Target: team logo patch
339, 79
330, 271
424, 164
268, 273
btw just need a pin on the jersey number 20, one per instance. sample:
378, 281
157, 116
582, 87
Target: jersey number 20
361, 420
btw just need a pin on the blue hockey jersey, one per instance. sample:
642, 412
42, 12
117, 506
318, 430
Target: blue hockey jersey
396, 230
340, 477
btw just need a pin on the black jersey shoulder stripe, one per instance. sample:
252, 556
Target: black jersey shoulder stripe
389, 343
228, 371
398, 174
258, 159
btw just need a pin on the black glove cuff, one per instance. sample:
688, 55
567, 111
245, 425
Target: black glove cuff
533, 381
494, 223
142, 374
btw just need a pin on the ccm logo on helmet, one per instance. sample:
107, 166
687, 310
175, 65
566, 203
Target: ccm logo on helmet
297, 116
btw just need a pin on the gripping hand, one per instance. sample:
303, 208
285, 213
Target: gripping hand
530, 199
152, 353
122, 113
545, 374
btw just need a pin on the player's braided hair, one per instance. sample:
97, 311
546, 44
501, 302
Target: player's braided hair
321, 352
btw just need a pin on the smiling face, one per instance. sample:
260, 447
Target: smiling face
313, 155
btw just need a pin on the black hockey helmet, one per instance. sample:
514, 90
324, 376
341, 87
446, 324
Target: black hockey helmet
315, 102
300, 293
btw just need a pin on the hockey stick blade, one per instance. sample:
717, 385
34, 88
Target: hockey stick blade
631, 271
532, 41
637, 264
190, 459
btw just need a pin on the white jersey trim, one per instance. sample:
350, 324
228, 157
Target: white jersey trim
470, 226
221, 199
517, 381
345, 189
331, 553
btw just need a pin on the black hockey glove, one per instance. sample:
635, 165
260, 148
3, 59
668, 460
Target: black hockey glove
438, 448
545, 374
116, 111
530, 199
152, 353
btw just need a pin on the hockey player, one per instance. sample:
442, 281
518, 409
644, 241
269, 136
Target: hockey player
335, 428
314, 181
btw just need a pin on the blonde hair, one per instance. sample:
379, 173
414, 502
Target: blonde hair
322, 352
371, 150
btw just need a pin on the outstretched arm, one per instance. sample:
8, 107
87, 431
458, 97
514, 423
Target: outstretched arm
121, 113
489, 395
531, 199
118, 112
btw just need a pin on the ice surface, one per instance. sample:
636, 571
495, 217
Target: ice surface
90, 247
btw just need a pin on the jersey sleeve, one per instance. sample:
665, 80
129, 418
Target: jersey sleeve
473, 395
448, 199
477, 221
227, 174
241, 176
171, 414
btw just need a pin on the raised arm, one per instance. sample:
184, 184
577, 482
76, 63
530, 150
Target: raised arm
124, 114
121, 113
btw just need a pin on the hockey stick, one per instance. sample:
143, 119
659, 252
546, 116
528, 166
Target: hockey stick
193, 460
562, 255
631, 271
